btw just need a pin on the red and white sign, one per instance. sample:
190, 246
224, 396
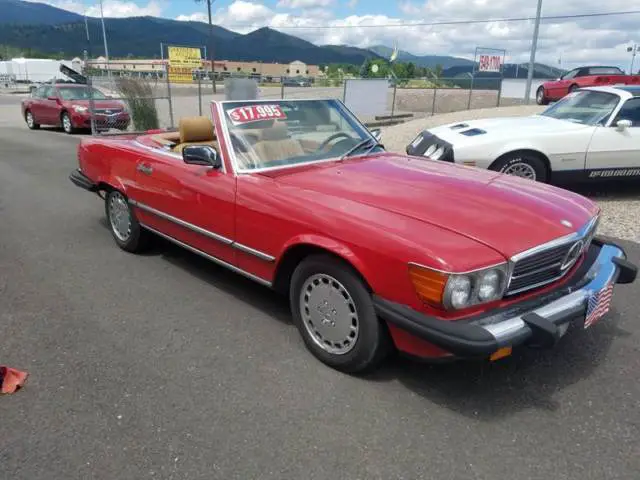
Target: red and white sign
490, 63
255, 113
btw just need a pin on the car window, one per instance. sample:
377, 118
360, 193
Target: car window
39, 92
604, 71
80, 93
630, 111
587, 107
570, 74
47, 92
291, 132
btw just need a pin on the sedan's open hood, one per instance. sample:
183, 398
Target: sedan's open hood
506, 213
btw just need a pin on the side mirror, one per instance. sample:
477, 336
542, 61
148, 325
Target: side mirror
201, 155
623, 124
377, 134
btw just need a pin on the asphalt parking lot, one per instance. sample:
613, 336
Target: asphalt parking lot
165, 366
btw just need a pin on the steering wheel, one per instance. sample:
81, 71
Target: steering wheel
324, 144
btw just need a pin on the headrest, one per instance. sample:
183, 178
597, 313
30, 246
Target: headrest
196, 129
279, 131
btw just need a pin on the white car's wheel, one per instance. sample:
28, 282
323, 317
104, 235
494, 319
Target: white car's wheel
522, 164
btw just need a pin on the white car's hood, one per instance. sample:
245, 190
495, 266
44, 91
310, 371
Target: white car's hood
491, 129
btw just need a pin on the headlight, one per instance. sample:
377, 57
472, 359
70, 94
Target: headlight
457, 291
80, 108
438, 153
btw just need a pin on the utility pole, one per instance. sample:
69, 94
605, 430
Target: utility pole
104, 37
213, 67
633, 49
532, 58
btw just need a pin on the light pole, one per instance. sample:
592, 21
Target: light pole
104, 37
633, 49
532, 58
213, 67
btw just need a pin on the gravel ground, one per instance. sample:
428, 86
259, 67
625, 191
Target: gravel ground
618, 200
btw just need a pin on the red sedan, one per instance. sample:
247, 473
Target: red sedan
582, 77
376, 251
69, 106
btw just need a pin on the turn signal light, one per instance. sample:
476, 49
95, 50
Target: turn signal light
429, 284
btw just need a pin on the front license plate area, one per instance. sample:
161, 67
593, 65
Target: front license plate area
598, 305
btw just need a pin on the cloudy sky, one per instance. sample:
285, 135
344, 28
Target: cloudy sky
574, 41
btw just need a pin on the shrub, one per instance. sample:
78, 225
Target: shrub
142, 105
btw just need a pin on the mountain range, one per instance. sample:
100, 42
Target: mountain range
43, 28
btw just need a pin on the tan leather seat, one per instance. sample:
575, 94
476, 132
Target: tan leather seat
275, 143
167, 139
195, 131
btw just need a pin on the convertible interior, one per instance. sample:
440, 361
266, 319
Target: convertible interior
270, 140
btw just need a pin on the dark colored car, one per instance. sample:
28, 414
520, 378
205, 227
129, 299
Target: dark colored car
69, 106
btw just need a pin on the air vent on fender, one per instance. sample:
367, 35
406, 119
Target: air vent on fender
472, 132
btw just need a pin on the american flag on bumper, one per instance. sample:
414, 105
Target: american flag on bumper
599, 304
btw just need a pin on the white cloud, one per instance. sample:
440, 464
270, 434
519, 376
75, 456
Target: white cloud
111, 8
352, 4
193, 17
305, 3
577, 41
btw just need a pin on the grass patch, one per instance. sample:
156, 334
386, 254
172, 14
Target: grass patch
142, 105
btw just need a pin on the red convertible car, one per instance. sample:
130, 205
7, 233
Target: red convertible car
377, 252
582, 77
68, 105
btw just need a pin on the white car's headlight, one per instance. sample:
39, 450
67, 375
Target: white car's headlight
79, 108
454, 291
437, 154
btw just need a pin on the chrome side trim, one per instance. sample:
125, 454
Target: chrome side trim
252, 251
219, 238
211, 258
182, 223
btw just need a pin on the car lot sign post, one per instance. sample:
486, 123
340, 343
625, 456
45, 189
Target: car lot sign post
182, 62
487, 60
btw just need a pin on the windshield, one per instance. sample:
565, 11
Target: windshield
80, 93
291, 132
586, 107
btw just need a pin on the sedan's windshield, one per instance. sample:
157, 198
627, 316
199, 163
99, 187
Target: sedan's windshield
587, 107
291, 132
80, 93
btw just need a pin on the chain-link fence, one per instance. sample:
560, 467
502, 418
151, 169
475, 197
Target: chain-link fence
125, 100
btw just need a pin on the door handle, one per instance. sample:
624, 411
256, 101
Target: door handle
143, 168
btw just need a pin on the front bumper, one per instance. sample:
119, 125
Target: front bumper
79, 179
538, 322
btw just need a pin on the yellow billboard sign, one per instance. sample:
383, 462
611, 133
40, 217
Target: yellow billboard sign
182, 62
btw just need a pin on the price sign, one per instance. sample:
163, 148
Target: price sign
489, 63
255, 113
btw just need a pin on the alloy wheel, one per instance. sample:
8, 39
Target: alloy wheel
120, 216
329, 314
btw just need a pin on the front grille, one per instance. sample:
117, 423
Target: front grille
547, 265
107, 111
538, 269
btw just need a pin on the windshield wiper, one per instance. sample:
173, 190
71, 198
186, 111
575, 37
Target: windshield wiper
359, 145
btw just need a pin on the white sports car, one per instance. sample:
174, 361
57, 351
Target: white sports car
590, 134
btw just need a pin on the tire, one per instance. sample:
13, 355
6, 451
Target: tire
523, 164
540, 97
31, 123
67, 126
123, 224
358, 341
573, 88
